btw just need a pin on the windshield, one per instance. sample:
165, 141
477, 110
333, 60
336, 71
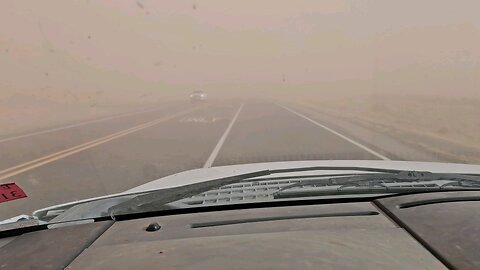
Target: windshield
98, 97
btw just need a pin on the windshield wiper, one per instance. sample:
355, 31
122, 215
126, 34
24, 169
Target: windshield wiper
383, 183
77, 209
158, 200
365, 183
155, 200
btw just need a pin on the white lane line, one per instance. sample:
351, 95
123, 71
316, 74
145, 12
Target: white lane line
76, 125
220, 143
338, 134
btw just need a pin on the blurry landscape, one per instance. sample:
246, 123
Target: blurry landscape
446, 126
406, 68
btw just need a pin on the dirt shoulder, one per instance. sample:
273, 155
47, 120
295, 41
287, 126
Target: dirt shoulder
446, 126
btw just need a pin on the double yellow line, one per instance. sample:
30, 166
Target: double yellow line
12, 171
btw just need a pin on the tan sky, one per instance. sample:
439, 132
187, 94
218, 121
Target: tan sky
86, 45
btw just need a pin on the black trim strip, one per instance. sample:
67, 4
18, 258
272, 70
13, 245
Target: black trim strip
297, 177
19, 231
438, 200
252, 220
327, 168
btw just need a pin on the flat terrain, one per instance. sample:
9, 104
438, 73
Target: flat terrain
445, 125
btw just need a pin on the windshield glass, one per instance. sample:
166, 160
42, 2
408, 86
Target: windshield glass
98, 97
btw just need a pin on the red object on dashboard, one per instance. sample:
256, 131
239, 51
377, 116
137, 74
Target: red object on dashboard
11, 191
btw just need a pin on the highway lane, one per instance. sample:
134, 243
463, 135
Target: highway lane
181, 143
216, 133
16, 150
266, 132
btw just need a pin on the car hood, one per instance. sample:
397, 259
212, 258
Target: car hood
400, 232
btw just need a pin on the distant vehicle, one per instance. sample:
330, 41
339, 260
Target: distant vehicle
198, 96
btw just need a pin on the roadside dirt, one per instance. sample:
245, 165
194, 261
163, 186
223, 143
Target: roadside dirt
446, 126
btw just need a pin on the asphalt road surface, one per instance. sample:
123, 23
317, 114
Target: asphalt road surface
114, 154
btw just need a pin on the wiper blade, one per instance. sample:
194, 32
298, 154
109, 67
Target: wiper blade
336, 168
360, 191
380, 183
155, 200
158, 200
167, 195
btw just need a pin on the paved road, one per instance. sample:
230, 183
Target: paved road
114, 154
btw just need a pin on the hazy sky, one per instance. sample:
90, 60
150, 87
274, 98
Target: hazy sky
87, 44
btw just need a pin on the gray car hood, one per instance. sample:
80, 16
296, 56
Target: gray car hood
347, 235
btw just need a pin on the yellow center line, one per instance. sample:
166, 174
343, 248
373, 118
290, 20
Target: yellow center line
144, 125
12, 171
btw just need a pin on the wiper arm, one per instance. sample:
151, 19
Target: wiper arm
167, 195
377, 183
335, 168
155, 200
411, 176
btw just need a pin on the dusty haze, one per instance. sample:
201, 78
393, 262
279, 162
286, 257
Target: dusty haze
127, 47
87, 58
